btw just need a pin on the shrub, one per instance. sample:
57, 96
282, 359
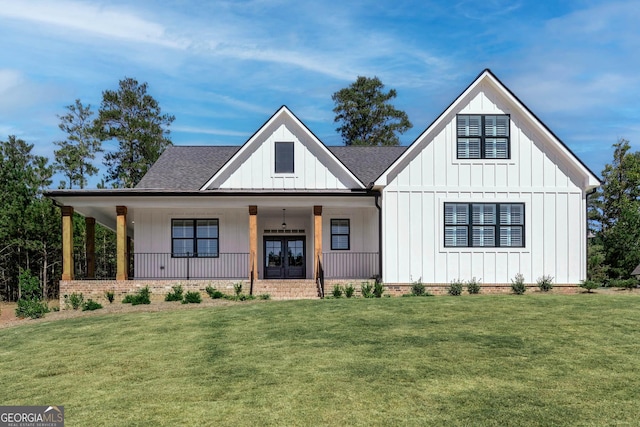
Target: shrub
455, 288
517, 284
417, 288
74, 300
349, 290
473, 286
33, 308
545, 283
91, 305
378, 289
143, 296
337, 291
110, 295
264, 296
589, 285
192, 298
366, 289
213, 292
176, 295
624, 283
237, 288
30, 303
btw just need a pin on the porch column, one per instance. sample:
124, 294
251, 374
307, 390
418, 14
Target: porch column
121, 243
90, 246
317, 238
67, 243
253, 241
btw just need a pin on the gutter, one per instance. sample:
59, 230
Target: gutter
377, 195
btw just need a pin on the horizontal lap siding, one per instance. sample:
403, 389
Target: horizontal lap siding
554, 208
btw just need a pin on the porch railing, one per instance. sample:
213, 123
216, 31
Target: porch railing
165, 266
350, 265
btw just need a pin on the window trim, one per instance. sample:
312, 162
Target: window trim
348, 234
497, 226
483, 138
275, 157
195, 238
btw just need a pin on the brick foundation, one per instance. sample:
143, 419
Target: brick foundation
303, 289
95, 289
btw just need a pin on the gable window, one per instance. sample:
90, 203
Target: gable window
284, 157
340, 230
194, 238
484, 225
483, 137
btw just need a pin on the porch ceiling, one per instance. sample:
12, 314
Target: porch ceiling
101, 204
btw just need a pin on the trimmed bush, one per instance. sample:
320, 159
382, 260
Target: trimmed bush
366, 289
378, 289
455, 288
417, 288
74, 300
213, 292
545, 283
349, 290
517, 284
264, 296
143, 296
589, 285
473, 286
192, 298
176, 295
337, 291
624, 283
91, 305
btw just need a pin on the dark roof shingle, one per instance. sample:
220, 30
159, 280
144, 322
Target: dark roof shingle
190, 167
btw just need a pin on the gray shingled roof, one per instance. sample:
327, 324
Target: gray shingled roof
186, 167
189, 168
367, 163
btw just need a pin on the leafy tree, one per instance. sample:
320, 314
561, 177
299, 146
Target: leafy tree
133, 118
29, 224
615, 208
366, 116
74, 157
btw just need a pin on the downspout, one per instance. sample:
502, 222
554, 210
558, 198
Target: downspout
377, 194
586, 246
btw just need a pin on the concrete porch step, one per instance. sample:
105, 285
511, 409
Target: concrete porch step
286, 289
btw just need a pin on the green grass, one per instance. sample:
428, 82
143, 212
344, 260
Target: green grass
469, 361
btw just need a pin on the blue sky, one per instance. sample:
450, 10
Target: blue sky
223, 67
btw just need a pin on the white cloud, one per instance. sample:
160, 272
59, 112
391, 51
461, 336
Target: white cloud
90, 18
207, 131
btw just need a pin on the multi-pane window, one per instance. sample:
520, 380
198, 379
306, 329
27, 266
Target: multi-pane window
284, 157
340, 234
483, 137
484, 224
194, 238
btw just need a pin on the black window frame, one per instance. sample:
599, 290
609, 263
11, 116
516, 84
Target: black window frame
348, 234
194, 238
483, 137
497, 225
284, 164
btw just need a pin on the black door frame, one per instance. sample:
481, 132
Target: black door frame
286, 272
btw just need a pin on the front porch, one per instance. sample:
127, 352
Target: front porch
265, 246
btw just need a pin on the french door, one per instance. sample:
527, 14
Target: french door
284, 258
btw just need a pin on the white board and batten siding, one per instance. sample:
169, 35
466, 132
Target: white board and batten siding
314, 168
548, 185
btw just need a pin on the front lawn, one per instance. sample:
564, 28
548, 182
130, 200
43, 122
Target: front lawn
480, 360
